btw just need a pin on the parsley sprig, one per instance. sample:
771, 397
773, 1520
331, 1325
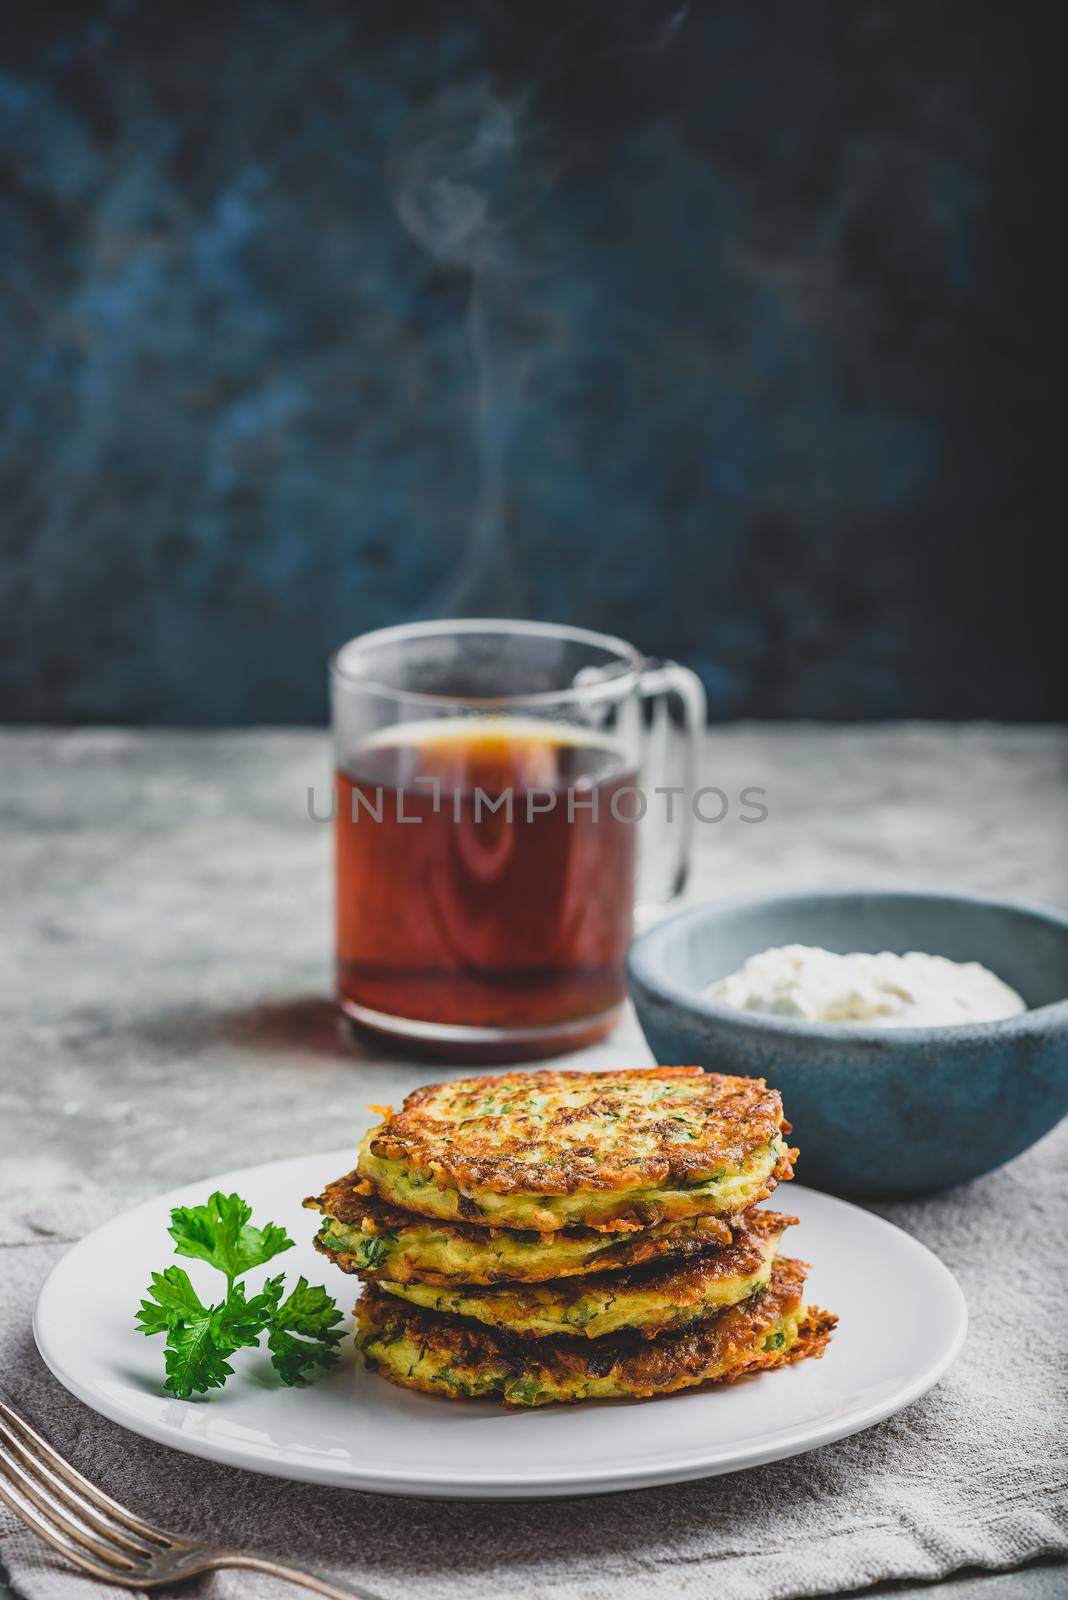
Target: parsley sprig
301, 1327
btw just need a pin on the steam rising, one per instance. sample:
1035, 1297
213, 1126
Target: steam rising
455, 173
452, 174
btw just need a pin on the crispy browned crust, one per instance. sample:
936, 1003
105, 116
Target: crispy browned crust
343, 1200
722, 1349
609, 1140
686, 1283
677, 1284
814, 1335
784, 1167
347, 1200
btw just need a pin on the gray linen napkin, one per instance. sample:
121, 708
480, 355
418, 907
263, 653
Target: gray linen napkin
976, 1473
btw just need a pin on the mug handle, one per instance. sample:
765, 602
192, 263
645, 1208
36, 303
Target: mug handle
666, 838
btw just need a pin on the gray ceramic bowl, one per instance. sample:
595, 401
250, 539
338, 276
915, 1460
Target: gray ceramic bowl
875, 1111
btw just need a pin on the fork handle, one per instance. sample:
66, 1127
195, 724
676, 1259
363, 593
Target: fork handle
278, 1569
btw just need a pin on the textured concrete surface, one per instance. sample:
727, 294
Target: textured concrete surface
318, 316
165, 955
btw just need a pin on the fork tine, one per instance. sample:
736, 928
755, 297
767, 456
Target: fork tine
40, 1474
28, 1513
104, 1502
60, 1517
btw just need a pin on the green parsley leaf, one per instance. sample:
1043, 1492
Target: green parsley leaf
194, 1362
200, 1339
171, 1297
239, 1322
302, 1332
219, 1233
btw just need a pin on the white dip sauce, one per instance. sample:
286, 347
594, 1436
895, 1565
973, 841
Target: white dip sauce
885, 991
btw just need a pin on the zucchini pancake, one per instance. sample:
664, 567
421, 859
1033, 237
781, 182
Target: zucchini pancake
562, 1236
376, 1240
448, 1356
605, 1150
655, 1299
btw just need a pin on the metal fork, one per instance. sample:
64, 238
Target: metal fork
103, 1538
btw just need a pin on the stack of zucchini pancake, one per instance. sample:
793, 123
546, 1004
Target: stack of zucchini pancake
561, 1236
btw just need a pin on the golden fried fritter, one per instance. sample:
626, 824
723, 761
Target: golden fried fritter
447, 1356
378, 1241
608, 1150
654, 1300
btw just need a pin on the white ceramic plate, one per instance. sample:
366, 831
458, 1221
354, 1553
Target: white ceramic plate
902, 1323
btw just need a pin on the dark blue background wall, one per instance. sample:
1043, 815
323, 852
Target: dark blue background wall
731, 332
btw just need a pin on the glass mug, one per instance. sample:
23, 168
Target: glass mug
487, 824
